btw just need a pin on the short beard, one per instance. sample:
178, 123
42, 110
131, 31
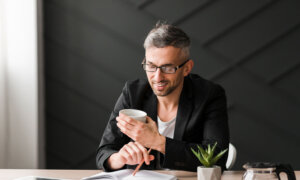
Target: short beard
167, 92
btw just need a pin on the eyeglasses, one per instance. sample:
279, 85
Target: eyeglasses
168, 69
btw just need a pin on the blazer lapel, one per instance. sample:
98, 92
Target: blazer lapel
184, 109
150, 106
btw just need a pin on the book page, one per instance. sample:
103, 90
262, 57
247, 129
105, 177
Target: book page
149, 175
37, 178
126, 174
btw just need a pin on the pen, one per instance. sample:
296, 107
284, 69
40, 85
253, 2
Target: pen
139, 166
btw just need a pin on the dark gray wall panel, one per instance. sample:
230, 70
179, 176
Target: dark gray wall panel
290, 84
261, 141
249, 46
76, 110
83, 77
139, 3
206, 63
278, 58
55, 162
173, 10
219, 16
267, 25
125, 21
65, 143
86, 40
250, 93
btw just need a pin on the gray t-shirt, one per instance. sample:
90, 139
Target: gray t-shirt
166, 128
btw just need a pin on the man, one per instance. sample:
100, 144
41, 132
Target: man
183, 110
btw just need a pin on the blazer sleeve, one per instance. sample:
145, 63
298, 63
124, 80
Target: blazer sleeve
113, 139
215, 129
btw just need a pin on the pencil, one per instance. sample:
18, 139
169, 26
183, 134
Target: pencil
139, 166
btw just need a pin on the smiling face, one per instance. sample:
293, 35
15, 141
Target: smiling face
161, 83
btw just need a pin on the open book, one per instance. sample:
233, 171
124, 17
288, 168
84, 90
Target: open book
126, 174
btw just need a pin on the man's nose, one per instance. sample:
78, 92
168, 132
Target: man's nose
158, 76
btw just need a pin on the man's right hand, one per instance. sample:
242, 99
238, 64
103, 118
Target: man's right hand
132, 153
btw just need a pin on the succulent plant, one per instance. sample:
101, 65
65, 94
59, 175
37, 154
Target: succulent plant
206, 157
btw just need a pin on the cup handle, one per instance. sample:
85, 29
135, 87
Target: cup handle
287, 169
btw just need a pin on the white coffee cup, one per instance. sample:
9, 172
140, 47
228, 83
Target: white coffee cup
135, 114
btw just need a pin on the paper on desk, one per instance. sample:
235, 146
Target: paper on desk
126, 174
37, 178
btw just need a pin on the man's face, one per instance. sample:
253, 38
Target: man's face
164, 84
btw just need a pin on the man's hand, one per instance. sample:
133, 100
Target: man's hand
131, 154
145, 133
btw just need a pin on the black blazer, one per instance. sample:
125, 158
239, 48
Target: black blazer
201, 119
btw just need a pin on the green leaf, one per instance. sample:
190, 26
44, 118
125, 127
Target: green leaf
208, 149
214, 147
203, 152
217, 157
204, 163
204, 157
213, 150
197, 154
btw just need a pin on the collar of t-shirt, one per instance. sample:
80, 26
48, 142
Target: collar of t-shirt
166, 128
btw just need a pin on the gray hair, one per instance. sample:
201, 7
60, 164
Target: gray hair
164, 34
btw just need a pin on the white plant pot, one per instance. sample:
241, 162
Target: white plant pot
213, 173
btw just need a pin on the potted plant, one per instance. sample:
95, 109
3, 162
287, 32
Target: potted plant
206, 157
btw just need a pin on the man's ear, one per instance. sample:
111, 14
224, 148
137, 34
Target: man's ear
188, 67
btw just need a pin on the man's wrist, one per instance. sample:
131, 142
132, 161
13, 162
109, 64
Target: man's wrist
114, 163
161, 143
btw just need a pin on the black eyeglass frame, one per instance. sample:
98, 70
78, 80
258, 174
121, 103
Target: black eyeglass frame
160, 67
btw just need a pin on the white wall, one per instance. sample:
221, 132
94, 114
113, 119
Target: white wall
18, 84
3, 114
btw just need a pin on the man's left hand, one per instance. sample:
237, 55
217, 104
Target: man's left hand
145, 133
